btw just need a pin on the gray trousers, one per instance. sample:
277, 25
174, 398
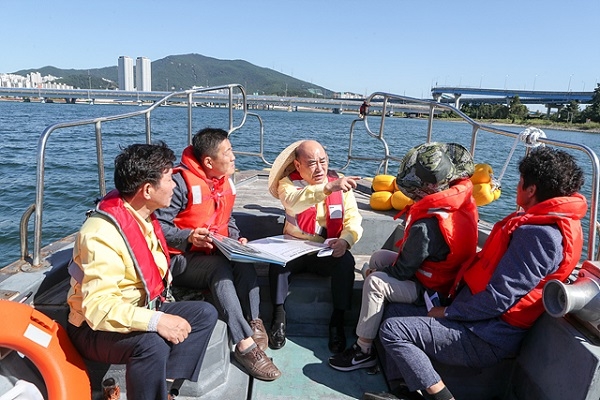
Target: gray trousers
378, 289
234, 287
412, 342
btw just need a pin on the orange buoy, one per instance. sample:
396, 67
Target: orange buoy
46, 343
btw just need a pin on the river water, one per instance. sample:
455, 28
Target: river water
71, 177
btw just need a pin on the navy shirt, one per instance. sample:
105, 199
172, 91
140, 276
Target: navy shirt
534, 252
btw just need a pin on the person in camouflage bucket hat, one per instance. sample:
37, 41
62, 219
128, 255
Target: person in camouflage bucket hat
431, 167
440, 234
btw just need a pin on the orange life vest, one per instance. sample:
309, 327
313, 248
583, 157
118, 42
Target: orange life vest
566, 213
112, 206
206, 207
306, 221
457, 216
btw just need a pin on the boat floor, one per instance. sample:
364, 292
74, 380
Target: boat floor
307, 374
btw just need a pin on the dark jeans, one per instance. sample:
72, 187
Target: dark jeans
341, 271
234, 287
150, 359
411, 340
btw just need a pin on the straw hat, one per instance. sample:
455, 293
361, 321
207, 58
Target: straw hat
282, 166
431, 167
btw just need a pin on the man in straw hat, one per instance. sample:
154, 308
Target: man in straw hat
319, 205
202, 203
440, 234
497, 296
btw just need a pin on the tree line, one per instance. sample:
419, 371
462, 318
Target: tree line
515, 111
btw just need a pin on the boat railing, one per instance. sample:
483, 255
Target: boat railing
388, 99
235, 96
234, 100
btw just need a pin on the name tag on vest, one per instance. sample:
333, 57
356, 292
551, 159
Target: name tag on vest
196, 194
335, 211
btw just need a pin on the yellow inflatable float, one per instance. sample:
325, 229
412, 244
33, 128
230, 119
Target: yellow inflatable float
399, 200
384, 183
485, 189
381, 201
385, 195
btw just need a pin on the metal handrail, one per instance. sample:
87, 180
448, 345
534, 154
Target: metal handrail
476, 127
388, 98
37, 207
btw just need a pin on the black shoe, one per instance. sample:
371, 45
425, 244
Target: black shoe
337, 339
390, 396
277, 336
379, 396
352, 358
399, 393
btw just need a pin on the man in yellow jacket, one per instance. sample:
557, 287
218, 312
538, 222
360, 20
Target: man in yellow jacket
119, 309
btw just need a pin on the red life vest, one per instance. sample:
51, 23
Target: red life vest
566, 213
457, 216
306, 221
206, 207
112, 206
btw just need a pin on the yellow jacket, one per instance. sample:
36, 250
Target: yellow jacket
111, 296
295, 201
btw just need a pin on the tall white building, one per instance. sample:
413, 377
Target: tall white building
143, 74
125, 72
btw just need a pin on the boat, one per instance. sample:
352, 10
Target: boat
560, 358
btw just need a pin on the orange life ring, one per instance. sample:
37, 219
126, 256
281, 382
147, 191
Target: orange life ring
46, 343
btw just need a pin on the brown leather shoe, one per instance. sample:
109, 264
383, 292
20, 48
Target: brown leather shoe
110, 389
259, 334
257, 364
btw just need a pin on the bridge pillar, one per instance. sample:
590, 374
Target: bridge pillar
549, 107
457, 101
437, 96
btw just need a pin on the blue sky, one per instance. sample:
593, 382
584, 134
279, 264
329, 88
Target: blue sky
401, 47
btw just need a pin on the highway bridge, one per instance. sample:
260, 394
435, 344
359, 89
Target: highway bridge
213, 98
454, 95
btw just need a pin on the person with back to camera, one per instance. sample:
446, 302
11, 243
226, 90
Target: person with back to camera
498, 295
319, 205
440, 234
202, 204
120, 281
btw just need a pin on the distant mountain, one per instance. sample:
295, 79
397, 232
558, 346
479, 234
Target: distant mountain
180, 72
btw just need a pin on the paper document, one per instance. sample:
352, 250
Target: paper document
431, 300
274, 249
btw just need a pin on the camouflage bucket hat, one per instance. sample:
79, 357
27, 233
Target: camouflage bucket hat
431, 167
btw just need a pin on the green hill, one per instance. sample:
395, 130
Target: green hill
183, 71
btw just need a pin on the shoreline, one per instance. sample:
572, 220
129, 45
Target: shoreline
553, 127
573, 128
